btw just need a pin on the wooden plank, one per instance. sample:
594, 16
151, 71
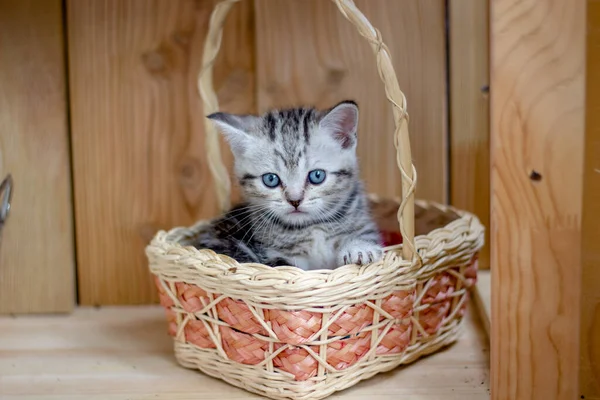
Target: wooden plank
537, 126
118, 353
137, 126
307, 53
37, 253
589, 364
469, 112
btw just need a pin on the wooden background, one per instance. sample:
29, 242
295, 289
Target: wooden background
119, 77
37, 261
138, 154
589, 353
538, 133
469, 74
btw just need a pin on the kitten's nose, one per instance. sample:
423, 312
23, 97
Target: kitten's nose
295, 203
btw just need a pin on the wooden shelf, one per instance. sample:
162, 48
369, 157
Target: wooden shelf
124, 353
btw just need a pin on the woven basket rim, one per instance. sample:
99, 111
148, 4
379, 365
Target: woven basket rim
166, 243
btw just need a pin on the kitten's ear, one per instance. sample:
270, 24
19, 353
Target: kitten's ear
341, 122
235, 128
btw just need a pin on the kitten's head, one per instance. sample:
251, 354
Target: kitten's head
296, 163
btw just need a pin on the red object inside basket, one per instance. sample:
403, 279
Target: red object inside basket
391, 238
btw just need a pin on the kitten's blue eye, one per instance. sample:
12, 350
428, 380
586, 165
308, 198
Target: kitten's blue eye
270, 180
316, 176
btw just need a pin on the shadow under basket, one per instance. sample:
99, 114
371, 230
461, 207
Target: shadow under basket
285, 333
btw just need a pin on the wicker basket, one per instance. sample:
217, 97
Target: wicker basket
290, 334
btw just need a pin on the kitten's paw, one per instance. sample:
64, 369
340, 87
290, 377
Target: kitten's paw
359, 253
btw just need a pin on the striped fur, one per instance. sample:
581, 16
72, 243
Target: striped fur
331, 225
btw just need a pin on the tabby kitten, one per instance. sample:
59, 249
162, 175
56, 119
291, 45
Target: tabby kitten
304, 202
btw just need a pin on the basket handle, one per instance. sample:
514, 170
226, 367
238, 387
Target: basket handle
406, 212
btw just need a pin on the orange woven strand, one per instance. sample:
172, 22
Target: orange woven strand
243, 348
191, 297
294, 327
399, 304
353, 320
297, 361
237, 315
347, 352
196, 333
297, 327
396, 340
441, 288
433, 316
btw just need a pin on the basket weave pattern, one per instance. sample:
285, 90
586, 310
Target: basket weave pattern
329, 329
301, 342
290, 334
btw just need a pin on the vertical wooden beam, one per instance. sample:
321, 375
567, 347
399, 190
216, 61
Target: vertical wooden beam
307, 53
469, 112
137, 122
36, 253
537, 127
589, 375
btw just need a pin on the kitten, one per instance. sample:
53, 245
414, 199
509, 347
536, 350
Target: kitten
305, 204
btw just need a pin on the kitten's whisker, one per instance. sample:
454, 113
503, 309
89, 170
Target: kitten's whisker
271, 230
251, 225
249, 213
256, 224
249, 218
337, 222
337, 219
263, 221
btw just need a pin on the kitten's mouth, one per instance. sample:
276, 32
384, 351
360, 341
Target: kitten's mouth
296, 211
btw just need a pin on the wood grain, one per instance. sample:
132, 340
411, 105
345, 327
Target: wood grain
137, 130
125, 353
537, 125
589, 367
469, 112
37, 253
308, 54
